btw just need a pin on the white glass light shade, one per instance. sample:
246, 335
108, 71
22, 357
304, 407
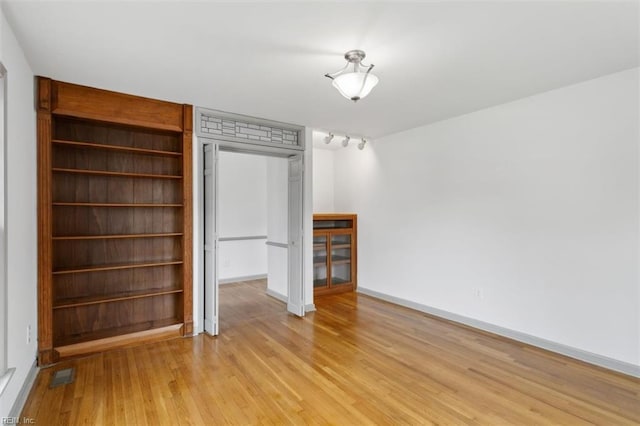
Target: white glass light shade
351, 86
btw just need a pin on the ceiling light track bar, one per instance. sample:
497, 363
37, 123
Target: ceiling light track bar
346, 141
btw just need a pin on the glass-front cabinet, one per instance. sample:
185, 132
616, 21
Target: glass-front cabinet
334, 253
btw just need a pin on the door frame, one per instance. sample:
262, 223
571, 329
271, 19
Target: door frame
286, 141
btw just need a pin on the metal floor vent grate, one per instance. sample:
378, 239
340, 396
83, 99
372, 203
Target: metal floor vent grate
62, 377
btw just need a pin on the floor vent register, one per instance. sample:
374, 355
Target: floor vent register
62, 377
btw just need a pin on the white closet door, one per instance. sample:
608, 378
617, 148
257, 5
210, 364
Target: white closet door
295, 302
211, 239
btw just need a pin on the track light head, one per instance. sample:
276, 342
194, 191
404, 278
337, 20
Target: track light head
362, 143
345, 141
329, 138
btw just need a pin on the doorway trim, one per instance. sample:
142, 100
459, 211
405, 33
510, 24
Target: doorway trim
240, 133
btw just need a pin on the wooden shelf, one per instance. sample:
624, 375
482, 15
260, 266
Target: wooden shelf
320, 282
116, 148
339, 281
320, 261
115, 332
340, 246
121, 174
115, 204
123, 236
97, 268
337, 260
319, 246
120, 338
95, 300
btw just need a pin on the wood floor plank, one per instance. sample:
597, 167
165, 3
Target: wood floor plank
356, 360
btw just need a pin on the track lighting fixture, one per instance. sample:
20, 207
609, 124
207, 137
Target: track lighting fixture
345, 140
329, 138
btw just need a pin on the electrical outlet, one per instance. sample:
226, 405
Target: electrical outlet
28, 334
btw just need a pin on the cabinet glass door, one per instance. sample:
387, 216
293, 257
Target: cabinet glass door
320, 276
340, 259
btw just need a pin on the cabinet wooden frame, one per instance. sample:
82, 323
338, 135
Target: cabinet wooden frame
115, 231
350, 230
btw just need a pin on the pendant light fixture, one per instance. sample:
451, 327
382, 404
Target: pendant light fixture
355, 80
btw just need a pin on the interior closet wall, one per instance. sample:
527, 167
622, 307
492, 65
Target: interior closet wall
277, 219
242, 207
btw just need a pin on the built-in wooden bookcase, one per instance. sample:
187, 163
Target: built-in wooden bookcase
115, 219
335, 242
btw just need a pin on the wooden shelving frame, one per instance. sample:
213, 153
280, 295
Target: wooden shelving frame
114, 220
331, 252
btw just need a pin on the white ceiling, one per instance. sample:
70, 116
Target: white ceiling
435, 60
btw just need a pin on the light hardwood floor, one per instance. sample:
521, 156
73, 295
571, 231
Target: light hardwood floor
355, 361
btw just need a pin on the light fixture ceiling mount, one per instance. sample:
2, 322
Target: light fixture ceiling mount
356, 82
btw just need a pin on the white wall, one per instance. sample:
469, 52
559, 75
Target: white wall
277, 228
21, 214
323, 183
523, 215
243, 212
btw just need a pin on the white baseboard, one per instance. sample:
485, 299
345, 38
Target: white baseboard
5, 379
21, 399
238, 279
276, 295
281, 297
591, 358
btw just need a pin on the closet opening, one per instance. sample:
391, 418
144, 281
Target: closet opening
233, 234
252, 217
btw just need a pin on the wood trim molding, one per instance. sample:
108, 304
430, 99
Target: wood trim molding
187, 267
104, 105
45, 310
333, 216
43, 101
